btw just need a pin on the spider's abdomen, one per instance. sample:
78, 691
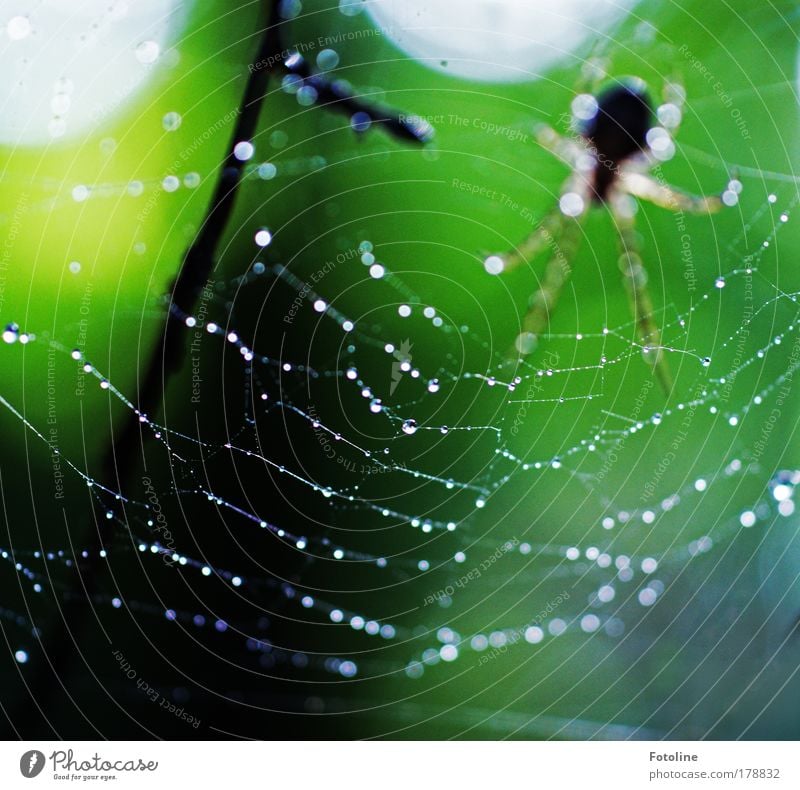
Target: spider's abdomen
617, 130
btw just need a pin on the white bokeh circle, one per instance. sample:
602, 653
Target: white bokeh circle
494, 40
68, 66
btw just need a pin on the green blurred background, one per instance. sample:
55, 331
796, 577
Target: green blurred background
713, 657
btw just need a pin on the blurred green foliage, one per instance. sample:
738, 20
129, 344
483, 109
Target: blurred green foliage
725, 616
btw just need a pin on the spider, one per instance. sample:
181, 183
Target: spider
610, 156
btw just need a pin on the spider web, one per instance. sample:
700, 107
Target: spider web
393, 482
371, 501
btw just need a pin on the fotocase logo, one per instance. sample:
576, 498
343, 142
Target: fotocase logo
31, 763
402, 363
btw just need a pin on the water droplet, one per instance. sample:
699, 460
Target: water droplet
730, 198
19, 27
244, 150
748, 518
494, 264
669, 115
307, 95
360, 122
571, 204
278, 139
351, 7
290, 9
409, 427
171, 121
266, 171
11, 333
525, 343
327, 59
584, 107
147, 52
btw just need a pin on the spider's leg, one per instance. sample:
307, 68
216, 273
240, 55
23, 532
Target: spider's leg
635, 277
556, 274
545, 235
573, 203
648, 188
568, 150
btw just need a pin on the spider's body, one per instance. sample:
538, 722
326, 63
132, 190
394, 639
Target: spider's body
615, 132
617, 144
